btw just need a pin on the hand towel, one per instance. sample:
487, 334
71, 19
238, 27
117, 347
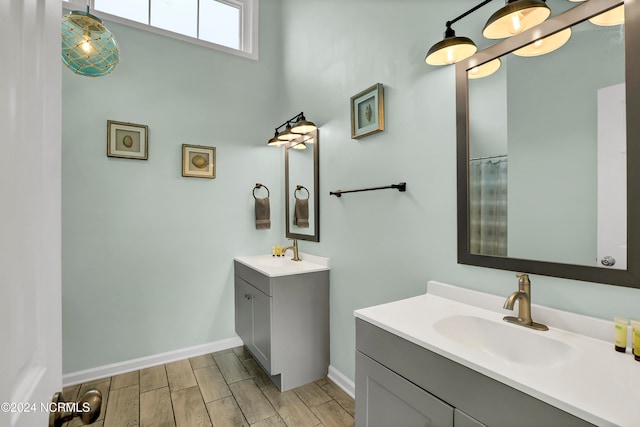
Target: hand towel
263, 214
301, 213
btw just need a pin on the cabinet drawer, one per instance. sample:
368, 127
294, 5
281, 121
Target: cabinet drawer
258, 280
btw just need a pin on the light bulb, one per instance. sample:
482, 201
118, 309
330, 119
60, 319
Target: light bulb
450, 57
86, 46
516, 26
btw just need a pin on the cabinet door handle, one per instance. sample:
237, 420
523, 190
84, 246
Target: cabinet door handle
248, 296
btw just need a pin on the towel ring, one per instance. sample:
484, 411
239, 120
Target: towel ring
258, 185
299, 188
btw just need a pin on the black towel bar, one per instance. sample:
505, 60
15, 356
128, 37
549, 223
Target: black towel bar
400, 187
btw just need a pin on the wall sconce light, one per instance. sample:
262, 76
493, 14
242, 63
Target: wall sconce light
513, 18
611, 17
88, 47
293, 134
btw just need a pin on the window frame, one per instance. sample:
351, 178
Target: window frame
249, 13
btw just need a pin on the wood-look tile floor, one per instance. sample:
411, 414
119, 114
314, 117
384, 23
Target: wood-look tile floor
226, 388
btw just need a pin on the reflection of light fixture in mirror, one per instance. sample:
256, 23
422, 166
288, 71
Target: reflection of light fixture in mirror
611, 17
451, 49
485, 69
88, 47
301, 127
545, 45
515, 17
299, 146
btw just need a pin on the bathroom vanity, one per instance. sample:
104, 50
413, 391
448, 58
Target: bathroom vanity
439, 360
282, 315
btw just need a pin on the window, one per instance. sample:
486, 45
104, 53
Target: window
229, 25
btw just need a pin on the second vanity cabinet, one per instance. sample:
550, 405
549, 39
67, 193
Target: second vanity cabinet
400, 383
284, 323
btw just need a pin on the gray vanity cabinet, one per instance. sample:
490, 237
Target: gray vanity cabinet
401, 381
284, 323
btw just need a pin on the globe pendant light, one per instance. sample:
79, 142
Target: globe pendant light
451, 49
545, 45
88, 47
515, 17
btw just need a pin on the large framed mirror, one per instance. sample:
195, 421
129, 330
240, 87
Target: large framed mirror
302, 192
548, 181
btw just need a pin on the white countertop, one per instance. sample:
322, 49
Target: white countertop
283, 266
599, 384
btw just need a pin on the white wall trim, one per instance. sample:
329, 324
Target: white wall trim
146, 362
342, 381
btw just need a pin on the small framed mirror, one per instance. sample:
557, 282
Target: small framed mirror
301, 160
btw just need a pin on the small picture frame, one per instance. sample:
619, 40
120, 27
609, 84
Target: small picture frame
198, 161
367, 112
127, 140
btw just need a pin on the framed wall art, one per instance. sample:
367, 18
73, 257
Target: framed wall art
367, 112
198, 161
127, 140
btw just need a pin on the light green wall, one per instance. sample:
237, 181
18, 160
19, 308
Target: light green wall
163, 280
386, 245
148, 254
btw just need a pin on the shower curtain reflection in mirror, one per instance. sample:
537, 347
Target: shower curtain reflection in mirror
488, 206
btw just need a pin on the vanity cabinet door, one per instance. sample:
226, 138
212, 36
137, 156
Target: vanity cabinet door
262, 328
386, 399
253, 320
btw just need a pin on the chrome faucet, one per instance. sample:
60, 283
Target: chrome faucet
294, 248
523, 296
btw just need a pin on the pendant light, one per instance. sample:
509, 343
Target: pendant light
515, 17
545, 45
485, 69
88, 47
451, 49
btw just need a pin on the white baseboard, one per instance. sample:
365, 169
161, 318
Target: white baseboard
79, 377
342, 381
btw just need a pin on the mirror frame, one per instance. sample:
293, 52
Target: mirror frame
315, 237
629, 277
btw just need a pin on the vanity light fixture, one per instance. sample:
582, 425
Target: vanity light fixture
515, 17
545, 45
485, 69
453, 48
88, 47
609, 18
291, 134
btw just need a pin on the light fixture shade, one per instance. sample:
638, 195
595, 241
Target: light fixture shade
450, 50
88, 47
545, 45
288, 135
299, 146
303, 126
611, 17
485, 69
515, 17
274, 142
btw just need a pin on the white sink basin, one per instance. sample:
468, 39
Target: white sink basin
283, 266
508, 342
